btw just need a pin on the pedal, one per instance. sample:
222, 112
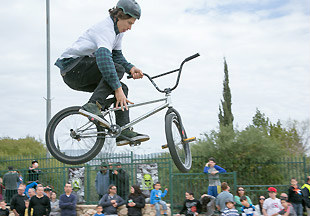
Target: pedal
164, 146
190, 139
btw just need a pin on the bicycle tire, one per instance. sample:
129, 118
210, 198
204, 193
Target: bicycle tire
178, 148
62, 123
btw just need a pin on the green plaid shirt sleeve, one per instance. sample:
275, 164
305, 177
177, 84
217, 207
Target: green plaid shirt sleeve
106, 66
118, 57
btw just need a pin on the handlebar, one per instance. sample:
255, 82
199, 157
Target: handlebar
167, 90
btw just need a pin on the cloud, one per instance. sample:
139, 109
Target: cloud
265, 43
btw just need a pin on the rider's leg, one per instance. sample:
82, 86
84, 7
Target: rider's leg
122, 117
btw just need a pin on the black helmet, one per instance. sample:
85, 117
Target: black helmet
130, 7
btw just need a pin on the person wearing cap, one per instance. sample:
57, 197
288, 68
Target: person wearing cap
230, 209
33, 171
213, 171
272, 205
95, 63
102, 181
10, 180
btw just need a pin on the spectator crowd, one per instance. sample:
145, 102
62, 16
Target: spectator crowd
112, 186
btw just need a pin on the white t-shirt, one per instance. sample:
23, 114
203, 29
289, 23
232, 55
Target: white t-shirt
272, 206
100, 35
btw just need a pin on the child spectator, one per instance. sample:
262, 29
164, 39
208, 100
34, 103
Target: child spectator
259, 206
33, 171
213, 171
272, 205
207, 204
191, 205
26, 210
135, 201
288, 209
3, 210
247, 208
295, 197
99, 210
230, 209
21, 179
155, 199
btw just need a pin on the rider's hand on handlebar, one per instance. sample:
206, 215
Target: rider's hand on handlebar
136, 73
121, 99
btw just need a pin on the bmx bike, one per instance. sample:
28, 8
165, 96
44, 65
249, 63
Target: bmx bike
73, 138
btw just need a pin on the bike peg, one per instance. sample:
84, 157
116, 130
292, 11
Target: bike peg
164, 146
189, 139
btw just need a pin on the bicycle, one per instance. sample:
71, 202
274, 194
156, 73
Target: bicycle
74, 139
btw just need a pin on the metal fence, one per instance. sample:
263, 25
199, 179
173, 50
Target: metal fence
56, 174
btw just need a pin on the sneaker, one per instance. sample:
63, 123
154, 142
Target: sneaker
134, 136
92, 110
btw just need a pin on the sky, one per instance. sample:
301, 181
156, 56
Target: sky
266, 44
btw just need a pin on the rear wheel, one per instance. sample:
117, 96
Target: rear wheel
179, 149
72, 138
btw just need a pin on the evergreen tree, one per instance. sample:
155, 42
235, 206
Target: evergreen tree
226, 117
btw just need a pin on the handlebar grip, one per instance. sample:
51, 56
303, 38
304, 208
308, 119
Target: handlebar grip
192, 57
129, 77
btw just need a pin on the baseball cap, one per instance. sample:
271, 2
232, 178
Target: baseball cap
272, 189
34, 161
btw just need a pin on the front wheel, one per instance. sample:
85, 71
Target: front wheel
179, 149
72, 138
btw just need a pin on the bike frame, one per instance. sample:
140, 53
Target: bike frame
167, 103
167, 99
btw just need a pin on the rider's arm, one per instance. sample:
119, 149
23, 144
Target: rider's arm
119, 58
106, 66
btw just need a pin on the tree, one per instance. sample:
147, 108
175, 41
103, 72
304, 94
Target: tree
23, 146
225, 115
290, 137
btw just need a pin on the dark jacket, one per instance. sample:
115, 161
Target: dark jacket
294, 195
137, 209
41, 206
306, 194
190, 207
18, 203
67, 205
108, 208
121, 181
10, 180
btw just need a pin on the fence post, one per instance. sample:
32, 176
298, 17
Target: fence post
305, 167
88, 183
64, 175
131, 166
235, 180
171, 186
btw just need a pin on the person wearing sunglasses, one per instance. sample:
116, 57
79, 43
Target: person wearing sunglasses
240, 192
111, 201
259, 206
